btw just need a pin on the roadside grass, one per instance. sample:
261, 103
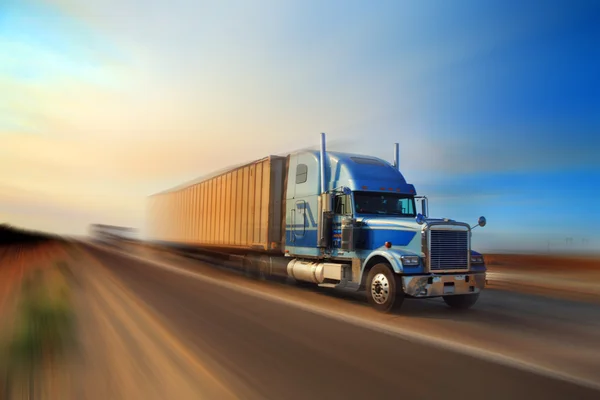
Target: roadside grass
43, 330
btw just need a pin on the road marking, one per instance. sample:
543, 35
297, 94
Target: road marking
397, 331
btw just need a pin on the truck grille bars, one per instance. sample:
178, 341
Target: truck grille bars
448, 250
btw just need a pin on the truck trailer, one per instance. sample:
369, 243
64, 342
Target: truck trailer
332, 219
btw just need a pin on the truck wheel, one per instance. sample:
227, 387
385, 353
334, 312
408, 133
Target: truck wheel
384, 288
461, 301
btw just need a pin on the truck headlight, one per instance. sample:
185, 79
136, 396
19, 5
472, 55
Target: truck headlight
476, 259
410, 260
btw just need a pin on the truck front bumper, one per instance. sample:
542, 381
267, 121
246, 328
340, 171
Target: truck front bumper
443, 285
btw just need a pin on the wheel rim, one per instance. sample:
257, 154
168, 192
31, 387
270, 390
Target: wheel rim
380, 289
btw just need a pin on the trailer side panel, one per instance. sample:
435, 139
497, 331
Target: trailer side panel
238, 209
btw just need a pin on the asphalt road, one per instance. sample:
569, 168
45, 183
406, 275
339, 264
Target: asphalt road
270, 350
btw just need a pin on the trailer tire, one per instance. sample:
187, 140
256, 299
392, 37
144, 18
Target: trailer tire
250, 268
461, 301
384, 288
262, 266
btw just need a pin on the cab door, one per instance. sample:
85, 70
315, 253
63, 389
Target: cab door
299, 223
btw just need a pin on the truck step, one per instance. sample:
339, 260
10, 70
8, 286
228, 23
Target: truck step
330, 285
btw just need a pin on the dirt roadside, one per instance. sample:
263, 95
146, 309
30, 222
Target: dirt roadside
559, 276
19, 265
545, 262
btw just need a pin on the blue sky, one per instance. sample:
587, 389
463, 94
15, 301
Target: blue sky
496, 104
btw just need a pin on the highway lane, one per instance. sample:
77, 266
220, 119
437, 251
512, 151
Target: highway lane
282, 352
546, 332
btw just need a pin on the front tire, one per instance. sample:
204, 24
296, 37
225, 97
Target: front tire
461, 301
384, 288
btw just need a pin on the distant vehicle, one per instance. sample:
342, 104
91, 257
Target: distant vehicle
112, 234
332, 219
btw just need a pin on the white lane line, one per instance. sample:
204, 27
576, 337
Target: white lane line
397, 331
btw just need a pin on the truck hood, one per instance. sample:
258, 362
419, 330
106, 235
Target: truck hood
403, 233
391, 223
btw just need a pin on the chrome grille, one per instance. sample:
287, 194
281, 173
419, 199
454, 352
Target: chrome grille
449, 249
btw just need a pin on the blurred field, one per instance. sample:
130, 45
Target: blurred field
549, 263
35, 313
565, 276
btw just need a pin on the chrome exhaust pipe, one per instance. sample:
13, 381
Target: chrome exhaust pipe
397, 156
323, 156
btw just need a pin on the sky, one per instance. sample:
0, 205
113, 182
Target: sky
496, 105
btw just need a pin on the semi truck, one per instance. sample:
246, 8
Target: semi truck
331, 219
111, 234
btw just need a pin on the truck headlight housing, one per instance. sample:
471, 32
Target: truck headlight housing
476, 259
410, 260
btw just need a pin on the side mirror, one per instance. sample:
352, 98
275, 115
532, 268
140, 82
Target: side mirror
420, 218
424, 204
480, 222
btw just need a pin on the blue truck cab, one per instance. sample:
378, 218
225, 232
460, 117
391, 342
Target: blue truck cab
352, 221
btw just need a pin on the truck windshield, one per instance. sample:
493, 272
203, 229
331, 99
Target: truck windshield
384, 204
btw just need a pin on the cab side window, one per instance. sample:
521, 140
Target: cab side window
301, 173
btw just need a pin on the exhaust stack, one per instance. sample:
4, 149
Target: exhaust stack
397, 156
323, 157
324, 223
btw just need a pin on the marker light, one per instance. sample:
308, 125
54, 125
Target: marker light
388, 245
476, 259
